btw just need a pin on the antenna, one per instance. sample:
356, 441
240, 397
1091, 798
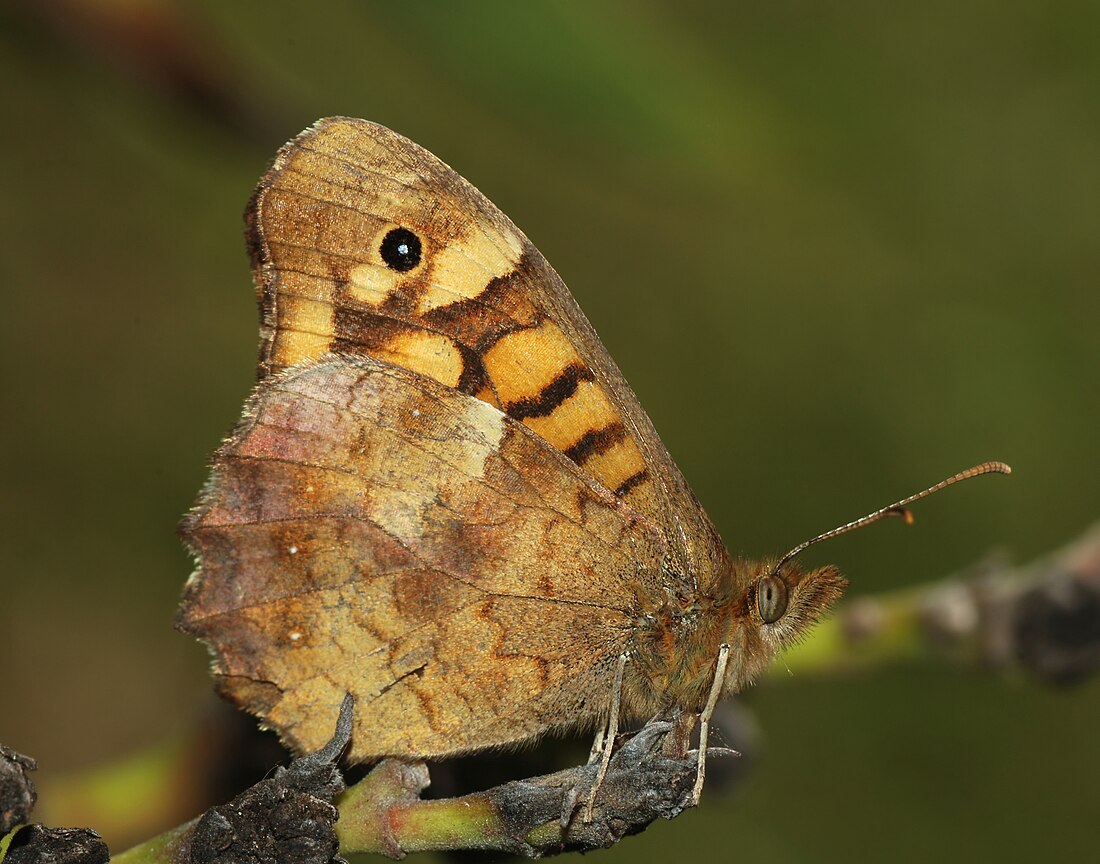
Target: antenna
898, 508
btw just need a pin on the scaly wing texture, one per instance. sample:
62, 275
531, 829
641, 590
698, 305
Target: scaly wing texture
369, 529
481, 312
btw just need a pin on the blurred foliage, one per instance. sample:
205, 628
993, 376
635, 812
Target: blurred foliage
839, 251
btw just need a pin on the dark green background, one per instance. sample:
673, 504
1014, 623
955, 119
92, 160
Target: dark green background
839, 253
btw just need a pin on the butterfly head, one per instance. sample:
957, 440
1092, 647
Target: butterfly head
788, 599
778, 604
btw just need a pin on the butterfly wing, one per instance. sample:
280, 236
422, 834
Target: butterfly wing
369, 529
468, 301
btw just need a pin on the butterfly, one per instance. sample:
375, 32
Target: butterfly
443, 497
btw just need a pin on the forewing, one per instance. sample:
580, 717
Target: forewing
481, 312
367, 529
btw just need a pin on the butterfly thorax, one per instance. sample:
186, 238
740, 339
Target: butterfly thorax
677, 639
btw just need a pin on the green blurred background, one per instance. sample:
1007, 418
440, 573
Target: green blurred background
839, 250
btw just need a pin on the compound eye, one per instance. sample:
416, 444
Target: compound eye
400, 250
771, 598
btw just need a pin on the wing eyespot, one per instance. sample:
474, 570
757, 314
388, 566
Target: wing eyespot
400, 250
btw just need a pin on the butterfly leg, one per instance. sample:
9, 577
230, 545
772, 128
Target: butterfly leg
608, 743
704, 720
597, 744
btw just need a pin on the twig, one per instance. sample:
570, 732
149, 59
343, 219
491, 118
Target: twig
649, 777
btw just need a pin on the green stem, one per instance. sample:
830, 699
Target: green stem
166, 848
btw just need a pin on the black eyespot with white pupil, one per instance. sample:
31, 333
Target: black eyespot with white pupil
400, 250
771, 598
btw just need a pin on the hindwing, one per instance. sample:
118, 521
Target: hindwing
367, 528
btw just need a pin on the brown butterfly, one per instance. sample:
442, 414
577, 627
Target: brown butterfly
443, 497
